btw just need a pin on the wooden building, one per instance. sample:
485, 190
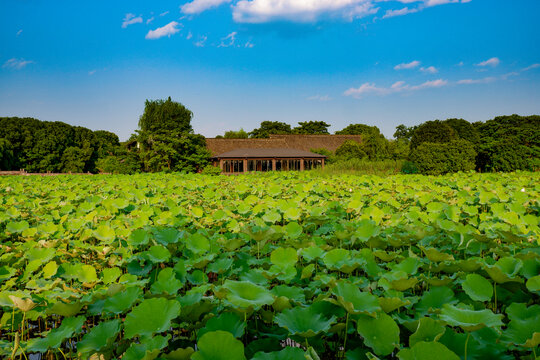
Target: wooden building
269, 159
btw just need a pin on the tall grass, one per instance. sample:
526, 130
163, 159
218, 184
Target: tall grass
361, 167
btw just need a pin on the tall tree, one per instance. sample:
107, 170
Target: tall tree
268, 128
312, 128
436, 131
240, 134
358, 129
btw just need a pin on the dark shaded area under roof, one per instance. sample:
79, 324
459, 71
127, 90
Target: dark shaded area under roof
268, 153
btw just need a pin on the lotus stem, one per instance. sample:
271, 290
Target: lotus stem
346, 333
466, 343
64, 355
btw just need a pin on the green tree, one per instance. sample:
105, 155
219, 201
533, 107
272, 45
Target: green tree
167, 141
358, 129
443, 158
240, 134
404, 133
312, 128
433, 132
6, 155
464, 130
350, 150
268, 128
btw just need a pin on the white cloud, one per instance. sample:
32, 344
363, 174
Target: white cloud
130, 19
198, 6
493, 62
167, 30
485, 80
150, 20
399, 12
189, 35
260, 11
19, 32
429, 70
249, 44
202, 41
228, 40
92, 72
397, 87
319, 98
411, 65
533, 66
16, 64
164, 13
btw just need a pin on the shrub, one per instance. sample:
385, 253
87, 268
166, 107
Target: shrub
211, 170
433, 132
442, 158
350, 150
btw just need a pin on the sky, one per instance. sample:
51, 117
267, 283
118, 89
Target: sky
236, 63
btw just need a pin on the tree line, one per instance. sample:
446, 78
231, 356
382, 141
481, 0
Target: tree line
165, 141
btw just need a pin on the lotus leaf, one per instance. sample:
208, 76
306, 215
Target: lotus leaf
198, 244
293, 230
50, 269
151, 316
366, 229
138, 237
246, 295
470, 320
110, 275
158, 254
55, 337
105, 233
524, 326
434, 299
284, 257
340, 259
427, 351
167, 236
289, 353
428, 330
22, 304
533, 284
303, 321
166, 282
227, 322
354, 301
477, 287
380, 333
63, 309
148, 349
17, 227
99, 337
505, 270
180, 354
219, 345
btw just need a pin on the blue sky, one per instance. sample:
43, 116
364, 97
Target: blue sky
235, 63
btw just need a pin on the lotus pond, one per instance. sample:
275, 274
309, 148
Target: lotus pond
272, 266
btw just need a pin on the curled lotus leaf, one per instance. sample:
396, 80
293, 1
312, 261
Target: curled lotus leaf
380, 333
148, 349
428, 330
227, 322
289, 353
477, 287
524, 326
470, 320
505, 270
340, 259
219, 345
246, 295
355, 301
22, 304
533, 284
427, 351
55, 337
99, 337
303, 321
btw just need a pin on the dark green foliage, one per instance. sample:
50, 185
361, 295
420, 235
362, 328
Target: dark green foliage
464, 130
359, 129
436, 131
270, 127
398, 149
350, 150
329, 155
211, 170
404, 133
162, 117
443, 158
240, 134
40, 146
121, 161
509, 143
409, 168
312, 128
6, 155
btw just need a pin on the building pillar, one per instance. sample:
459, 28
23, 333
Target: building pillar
245, 165
273, 164
301, 164
323, 163
221, 164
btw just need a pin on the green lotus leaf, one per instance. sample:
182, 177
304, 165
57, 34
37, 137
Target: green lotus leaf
284, 257
272, 217
220, 266
180, 354
505, 270
197, 243
303, 321
17, 227
470, 320
533, 284
427, 351
292, 213
148, 349
227, 322
380, 333
50, 269
41, 254
110, 275
7, 273
437, 256
64, 309
138, 238
293, 230
477, 287
86, 273
434, 299
428, 330
524, 326
136, 268
105, 233
101, 336
55, 337
354, 301
219, 345
157, 254
366, 229
403, 284
289, 292
246, 295
289, 353
391, 304
340, 259
312, 253
151, 316
166, 282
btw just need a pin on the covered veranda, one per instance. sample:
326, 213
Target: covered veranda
251, 160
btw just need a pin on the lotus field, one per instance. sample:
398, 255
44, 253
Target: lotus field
272, 266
